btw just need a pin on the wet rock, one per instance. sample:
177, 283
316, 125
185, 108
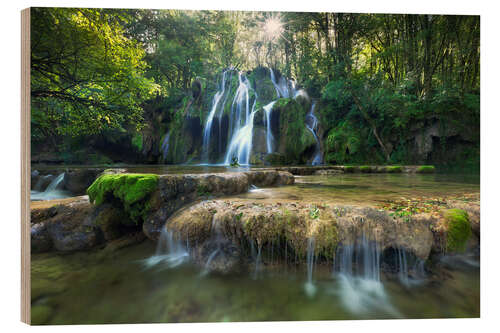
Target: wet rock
244, 221
42, 182
78, 180
40, 239
176, 191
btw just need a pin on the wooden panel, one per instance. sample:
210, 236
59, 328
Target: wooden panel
25, 168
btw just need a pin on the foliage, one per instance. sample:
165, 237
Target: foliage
234, 162
131, 190
459, 229
86, 75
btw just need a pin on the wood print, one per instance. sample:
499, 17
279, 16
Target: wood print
214, 166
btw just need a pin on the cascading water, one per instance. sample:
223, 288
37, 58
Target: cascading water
53, 190
312, 126
169, 251
240, 145
358, 268
269, 135
284, 88
309, 287
164, 146
219, 95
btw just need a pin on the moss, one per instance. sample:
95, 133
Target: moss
426, 169
137, 141
459, 229
365, 169
132, 190
349, 169
393, 169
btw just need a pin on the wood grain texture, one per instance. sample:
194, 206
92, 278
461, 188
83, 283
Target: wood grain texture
25, 168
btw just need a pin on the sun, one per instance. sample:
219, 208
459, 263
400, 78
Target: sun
272, 28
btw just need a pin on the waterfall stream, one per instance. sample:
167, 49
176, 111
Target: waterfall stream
240, 145
269, 135
53, 190
358, 268
169, 251
312, 126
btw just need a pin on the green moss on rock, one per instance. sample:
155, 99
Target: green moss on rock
393, 169
459, 229
426, 169
365, 169
132, 190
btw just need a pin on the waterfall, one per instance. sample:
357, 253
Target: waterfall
55, 183
284, 88
169, 251
309, 287
269, 135
164, 146
312, 126
358, 269
240, 145
53, 190
208, 126
402, 267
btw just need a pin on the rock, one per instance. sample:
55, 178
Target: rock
40, 239
243, 222
176, 191
110, 220
42, 182
64, 227
71, 228
78, 180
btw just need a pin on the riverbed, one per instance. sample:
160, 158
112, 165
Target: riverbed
126, 286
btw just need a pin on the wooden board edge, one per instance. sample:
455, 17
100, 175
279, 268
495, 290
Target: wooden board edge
25, 167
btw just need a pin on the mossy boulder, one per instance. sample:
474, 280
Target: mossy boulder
131, 190
365, 169
294, 140
393, 169
458, 229
426, 169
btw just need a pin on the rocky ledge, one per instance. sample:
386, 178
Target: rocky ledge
235, 229
120, 204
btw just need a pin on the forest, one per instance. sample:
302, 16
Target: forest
137, 86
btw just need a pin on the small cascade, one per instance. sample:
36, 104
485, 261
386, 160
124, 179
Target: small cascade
258, 261
240, 145
53, 190
164, 146
402, 267
312, 126
55, 183
169, 251
208, 125
408, 269
358, 269
269, 135
284, 88
309, 287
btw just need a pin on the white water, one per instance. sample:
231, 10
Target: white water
53, 190
309, 287
240, 145
164, 146
170, 252
284, 88
268, 109
360, 288
312, 126
208, 125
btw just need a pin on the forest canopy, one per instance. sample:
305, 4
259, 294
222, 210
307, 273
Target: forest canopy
96, 71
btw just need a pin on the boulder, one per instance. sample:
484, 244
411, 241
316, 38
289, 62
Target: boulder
77, 181
243, 224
